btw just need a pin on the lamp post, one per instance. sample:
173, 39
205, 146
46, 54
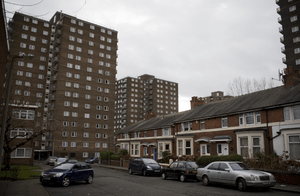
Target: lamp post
5, 110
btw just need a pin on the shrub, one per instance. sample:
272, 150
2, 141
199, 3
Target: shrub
123, 152
115, 157
105, 154
205, 160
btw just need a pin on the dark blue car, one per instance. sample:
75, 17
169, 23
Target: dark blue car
66, 173
144, 166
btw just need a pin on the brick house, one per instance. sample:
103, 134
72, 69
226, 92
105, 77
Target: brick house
264, 121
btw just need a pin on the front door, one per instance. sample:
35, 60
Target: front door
223, 149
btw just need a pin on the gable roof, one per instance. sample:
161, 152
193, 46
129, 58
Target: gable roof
266, 99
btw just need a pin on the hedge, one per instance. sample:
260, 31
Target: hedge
205, 160
123, 152
115, 157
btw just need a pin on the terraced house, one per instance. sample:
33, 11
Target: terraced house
264, 121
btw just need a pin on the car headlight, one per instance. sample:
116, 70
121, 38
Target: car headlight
253, 177
161, 167
58, 174
272, 177
148, 167
42, 173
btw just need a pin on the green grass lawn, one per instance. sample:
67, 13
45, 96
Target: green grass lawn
20, 172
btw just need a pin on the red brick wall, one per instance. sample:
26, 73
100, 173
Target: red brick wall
115, 163
212, 123
233, 120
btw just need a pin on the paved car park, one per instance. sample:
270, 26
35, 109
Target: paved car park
120, 182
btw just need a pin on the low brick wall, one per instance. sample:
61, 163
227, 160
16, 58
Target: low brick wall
286, 178
115, 163
126, 163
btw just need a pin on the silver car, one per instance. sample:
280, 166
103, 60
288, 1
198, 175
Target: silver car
235, 173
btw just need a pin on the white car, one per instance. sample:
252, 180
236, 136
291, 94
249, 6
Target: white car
235, 173
59, 161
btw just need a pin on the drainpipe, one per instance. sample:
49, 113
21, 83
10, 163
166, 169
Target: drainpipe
267, 132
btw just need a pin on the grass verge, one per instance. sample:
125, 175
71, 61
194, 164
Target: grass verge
19, 172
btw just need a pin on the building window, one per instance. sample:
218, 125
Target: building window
205, 149
86, 125
292, 8
104, 145
293, 18
73, 134
244, 146
64, 144
135, 149
224, 122
165, 146
97, 145
74, 124
45, 33
73, 144
202, 124
85, 154
97, 135
65, 123
92, 35
295, 29
21, 153
20, 133
166, 131
86, 115
85, 134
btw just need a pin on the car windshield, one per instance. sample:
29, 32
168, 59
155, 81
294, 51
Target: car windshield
91, 158
149, 161
61, 159
64, 166
191, 165
239, 166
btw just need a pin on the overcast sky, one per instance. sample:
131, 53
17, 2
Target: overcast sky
200, 44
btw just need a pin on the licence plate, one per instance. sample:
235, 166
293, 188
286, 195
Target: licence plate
46, 178
267, 183
194, 172
156, 170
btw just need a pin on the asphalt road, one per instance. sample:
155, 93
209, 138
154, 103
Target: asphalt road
116, 182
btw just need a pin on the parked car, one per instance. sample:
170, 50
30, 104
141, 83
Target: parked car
235, 173
60, 161
51, 160
66, 173
182, 170
92, 160
72, 161
144, 166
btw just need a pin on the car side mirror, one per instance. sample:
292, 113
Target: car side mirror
75, 170
227, 169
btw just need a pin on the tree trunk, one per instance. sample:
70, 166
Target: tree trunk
7, 160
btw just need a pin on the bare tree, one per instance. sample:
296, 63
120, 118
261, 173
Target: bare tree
239, 86
14, 140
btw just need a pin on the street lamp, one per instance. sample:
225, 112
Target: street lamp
5, 110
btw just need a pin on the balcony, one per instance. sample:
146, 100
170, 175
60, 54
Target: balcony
284, 60
280, 29
52, 107
53, 78
282, 39
283, 49
59, 24
55, 59
279, 19
53, 87
54, 68
51, 117
278, 10
57, 42
52, 97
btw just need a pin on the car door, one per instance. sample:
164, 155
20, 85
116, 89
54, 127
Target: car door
139, 166
212, 172
83, 172
180, 167
170, 171
225, 176
75, 174
133, 166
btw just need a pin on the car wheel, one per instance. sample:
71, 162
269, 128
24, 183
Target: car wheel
89, 180
130, 171
205, 180
182, 178
164, 176
66, 181
144, 173
241, 184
